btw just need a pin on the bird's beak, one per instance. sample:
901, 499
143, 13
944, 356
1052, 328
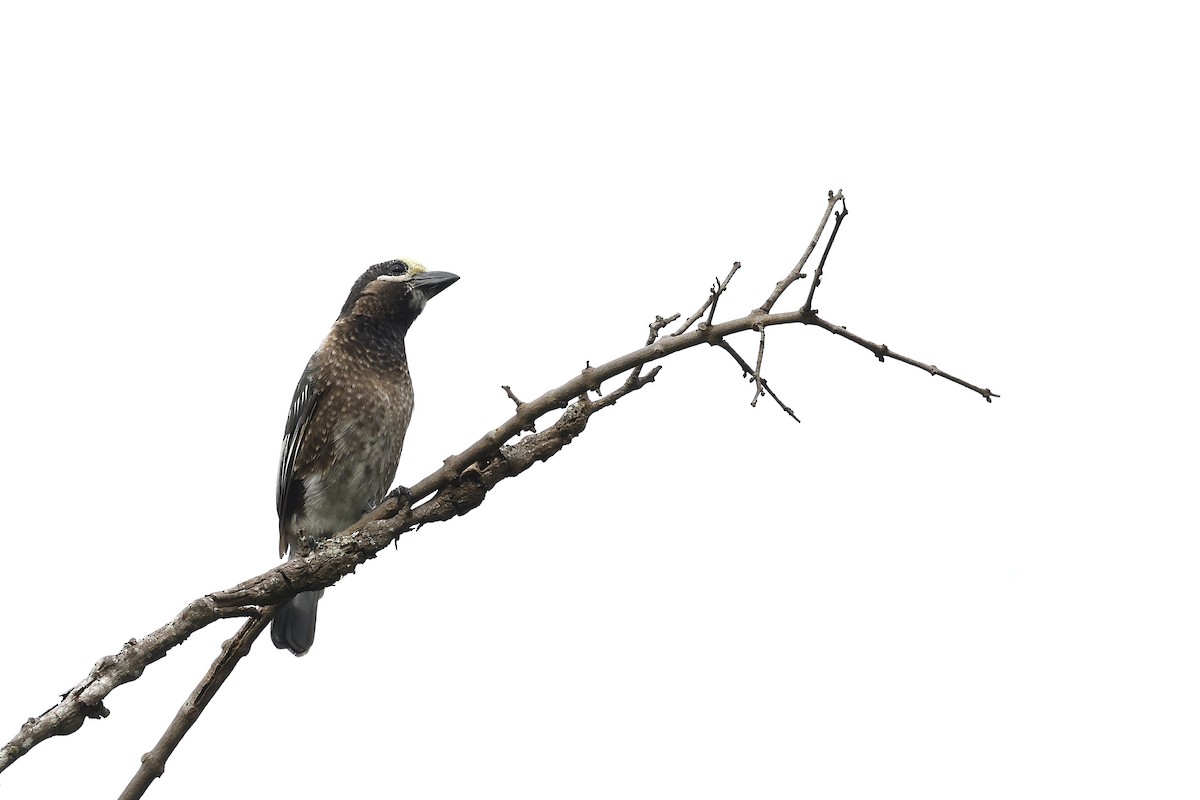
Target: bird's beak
430, 283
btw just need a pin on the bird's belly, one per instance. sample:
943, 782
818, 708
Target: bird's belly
365, 455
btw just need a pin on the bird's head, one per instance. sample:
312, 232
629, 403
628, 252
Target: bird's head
394, 290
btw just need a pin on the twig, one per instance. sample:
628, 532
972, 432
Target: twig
655, 328
715, 294
516, 401
712, 298
630, 385
882, 351
746, 370
798, 270
232, 651
816, 281
758, 381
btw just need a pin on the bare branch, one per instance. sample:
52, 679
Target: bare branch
86, 699
713, 296
746, 371
816, 281
882, 351
630, 385
798, 270
457, 487
516, 400
657, 326
232, 651
758, 381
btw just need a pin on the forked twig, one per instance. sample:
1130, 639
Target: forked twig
798, 270
713, 296
816, 281
746, 371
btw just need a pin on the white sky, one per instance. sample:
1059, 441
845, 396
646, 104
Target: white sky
912, 594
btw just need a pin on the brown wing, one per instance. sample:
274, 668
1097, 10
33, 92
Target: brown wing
289, 493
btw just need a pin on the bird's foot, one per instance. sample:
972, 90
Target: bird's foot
305, 543
401, 494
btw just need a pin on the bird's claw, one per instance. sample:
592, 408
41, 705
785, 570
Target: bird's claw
403, 495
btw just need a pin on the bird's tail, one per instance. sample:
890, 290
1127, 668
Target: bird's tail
295, 626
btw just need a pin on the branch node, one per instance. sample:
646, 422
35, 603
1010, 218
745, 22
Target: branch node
747, 371
516, 400
529, 424
712, 299
794, 275
882, 351
837, 223
593, 383
657, 326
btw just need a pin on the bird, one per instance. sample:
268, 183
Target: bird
346, 425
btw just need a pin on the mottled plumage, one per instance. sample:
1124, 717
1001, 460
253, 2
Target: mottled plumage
346, 426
